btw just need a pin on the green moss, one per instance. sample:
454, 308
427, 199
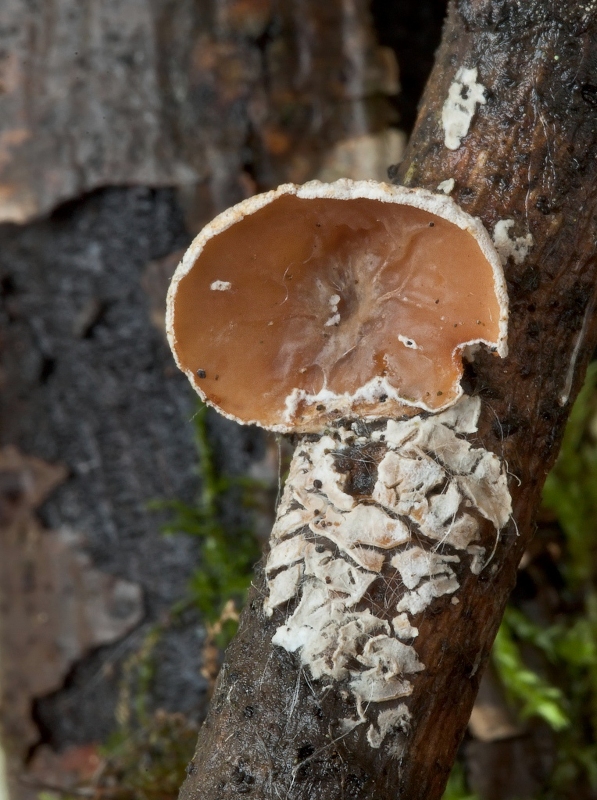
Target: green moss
132, 708
228, 553
530, 693
571, 488
571, 643
148, 762
457, 788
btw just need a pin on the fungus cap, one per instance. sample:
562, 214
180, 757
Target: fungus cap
352, 299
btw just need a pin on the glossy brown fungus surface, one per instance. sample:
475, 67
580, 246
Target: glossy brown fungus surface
308, 309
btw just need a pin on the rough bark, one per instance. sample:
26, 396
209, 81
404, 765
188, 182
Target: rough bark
215, 97
49, 588
88, 384
528, 157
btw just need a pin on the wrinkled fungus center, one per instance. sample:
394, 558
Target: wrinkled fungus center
328, 299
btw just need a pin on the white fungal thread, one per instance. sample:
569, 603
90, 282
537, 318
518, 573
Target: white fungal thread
447, 186
220, 286
565, 395
508, 246
419, 528
459, 109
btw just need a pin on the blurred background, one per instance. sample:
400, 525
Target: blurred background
130, 516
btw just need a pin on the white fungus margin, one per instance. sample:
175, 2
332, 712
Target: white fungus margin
345, 189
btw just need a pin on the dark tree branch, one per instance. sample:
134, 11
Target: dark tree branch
529, 158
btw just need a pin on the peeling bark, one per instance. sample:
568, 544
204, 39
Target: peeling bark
526, 160
55, 606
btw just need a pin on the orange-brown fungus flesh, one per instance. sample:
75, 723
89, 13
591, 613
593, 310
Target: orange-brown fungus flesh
320, 292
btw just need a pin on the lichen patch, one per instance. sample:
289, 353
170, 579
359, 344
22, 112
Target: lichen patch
447, 186
286, 553
364, 525
464, 95
403, 629
425, 454
389, 721
341, 578
407, 473
283, 588
415, 564
417, 601
332, 552
509, 246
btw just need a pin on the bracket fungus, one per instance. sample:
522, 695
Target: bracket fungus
312, 303
302, 309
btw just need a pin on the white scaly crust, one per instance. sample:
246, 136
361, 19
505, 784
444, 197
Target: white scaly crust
420, 527
464, 95
508, 246
447, 186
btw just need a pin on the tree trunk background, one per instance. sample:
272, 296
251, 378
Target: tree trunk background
529, 158
123, 128
217, 98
